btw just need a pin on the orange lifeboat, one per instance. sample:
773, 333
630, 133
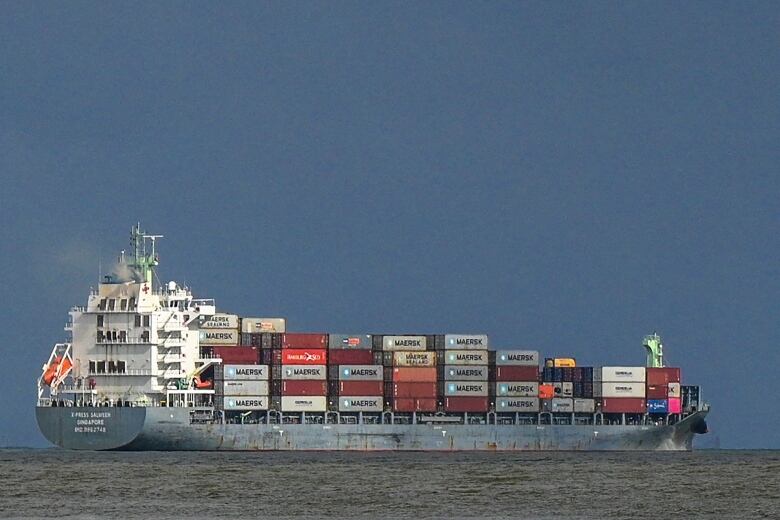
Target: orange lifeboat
201, 384
56, 368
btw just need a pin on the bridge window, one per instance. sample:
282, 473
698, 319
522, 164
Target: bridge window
137, 320
146, 320
102, 305
132, 303
99, 320
123, 304
111, 303
92, 365
101, 367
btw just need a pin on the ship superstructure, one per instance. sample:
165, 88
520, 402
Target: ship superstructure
149, 366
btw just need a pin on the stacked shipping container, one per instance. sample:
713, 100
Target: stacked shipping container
517, 381
465, 382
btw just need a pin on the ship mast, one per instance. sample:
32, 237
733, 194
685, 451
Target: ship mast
655, 350
143, 261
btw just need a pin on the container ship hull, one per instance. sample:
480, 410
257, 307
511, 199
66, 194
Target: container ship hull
171, 429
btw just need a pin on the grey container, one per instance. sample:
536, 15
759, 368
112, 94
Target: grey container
466, 341
465, 373
466, 357
562, 404
350, 341
466, 388
361, 404
404, 343
517, 404
249, 402
245, 388
584, 405
361, 372
245, 372
305, 372
517, 357
517, 389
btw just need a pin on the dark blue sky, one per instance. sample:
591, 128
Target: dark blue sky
567, 177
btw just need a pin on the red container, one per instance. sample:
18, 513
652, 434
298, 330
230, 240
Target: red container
623, 405
350, 357
360, 388
237, 355
466, 404
515, 373
657, 391
295, 387
675, 405
304, 340
424, 390
304, 356
662, 376
414, 405
414, 375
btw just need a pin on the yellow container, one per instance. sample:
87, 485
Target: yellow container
564, 362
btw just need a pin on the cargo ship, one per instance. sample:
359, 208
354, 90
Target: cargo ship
150, 367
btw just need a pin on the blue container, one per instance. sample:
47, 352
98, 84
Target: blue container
657, 406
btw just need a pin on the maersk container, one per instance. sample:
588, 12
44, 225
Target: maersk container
674, 390
221, 320
466, 388
361, 372
517, 389
622, 389
361, 404
662, 375
350, 357
244, 403
657, 406
304, 404
517, 373
414, 359
517, 404
517, 358
303, 356
466, 341
297, 387
466, 357
466, 404
304, 340
246, 372
620, 374
244, 387
419, 390
623, 405
414, 404
219, 337
465, 373
305, 372
414, 374
349, 341
263, 324
404, 343
562, 405
361, 388
584, 405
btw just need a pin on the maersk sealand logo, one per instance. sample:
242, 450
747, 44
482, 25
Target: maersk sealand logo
346, 372
346, 403
451, 387
231, 372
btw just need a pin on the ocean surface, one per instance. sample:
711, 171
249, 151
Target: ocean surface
705, 484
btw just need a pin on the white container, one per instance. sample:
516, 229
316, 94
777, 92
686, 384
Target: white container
584, 405
221, 321
219, 337
622, 389
620, 374
292, 403
305, 372
249, 402
361, 404
404, 343
562, 405
517, 389
246, 372
466, 341
674, 390
517, 357
263, 325
245, 388
466, 357
361, 372
466, 388
465, 373
414, 359
517, 404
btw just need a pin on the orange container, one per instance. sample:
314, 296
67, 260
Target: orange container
546, 391
414, 375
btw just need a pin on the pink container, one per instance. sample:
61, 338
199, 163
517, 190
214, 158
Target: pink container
675, 405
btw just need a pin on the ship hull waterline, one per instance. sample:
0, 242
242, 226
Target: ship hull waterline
170, 429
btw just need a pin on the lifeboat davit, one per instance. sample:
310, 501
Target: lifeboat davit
57, 368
